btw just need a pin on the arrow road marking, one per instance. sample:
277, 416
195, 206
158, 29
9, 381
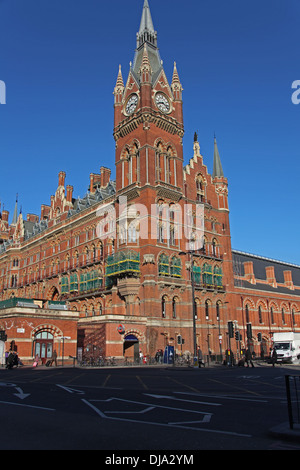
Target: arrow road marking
21, 394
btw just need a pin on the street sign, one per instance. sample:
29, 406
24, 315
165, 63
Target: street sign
121, 329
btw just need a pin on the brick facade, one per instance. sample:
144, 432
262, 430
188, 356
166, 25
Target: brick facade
130, 264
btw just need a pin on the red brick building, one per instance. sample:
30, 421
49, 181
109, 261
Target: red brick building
122, 256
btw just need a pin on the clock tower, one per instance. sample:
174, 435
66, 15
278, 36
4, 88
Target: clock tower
148, 120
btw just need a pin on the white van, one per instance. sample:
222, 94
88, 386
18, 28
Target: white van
287, 346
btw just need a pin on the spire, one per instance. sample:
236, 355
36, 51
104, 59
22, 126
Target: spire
15, 216
145, 65
147, 36
146, 21
119, 88
176, 85
120, 83
218, 170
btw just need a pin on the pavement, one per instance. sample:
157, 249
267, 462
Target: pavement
283, 431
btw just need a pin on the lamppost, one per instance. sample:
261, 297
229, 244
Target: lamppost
62, 338
191, 253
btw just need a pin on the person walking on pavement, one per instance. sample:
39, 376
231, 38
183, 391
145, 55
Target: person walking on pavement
54, 358
274, 357
248, 358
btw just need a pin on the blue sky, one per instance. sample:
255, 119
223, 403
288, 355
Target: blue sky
237, 61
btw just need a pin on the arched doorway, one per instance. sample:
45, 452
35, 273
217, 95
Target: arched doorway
131, 347
43, 345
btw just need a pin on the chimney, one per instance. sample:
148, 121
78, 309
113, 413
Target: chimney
249, 274
70, 194
288, 280
92, 179
32, 218
105, 176
45, 212
5, 216
61, 178
270, 273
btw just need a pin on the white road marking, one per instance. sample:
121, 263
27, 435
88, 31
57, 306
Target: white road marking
27, 406
177, 426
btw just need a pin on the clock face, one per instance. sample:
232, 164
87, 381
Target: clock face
162, 102
131, 104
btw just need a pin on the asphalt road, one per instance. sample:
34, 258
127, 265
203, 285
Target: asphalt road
143, 408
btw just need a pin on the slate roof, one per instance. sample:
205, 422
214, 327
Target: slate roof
33, 228
259, 269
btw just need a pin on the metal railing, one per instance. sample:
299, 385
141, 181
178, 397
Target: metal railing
292, 383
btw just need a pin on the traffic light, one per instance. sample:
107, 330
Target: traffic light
237, 335
179, 339
249, 330
3, 336
230, 329
259, 337
12, 345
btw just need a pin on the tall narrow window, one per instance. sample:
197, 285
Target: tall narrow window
207, 310
174, 308
163, 307
218, 310
259, 314
272, 315
247, 314
293, 318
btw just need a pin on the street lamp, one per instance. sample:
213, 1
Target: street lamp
62, 338
191, 253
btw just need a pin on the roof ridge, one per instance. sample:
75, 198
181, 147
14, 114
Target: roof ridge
266, 258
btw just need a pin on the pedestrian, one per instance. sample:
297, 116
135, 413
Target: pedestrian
36, 361
54, 358
200, 358
248, 358
157, 355
20, 363
10, 361
274, 357
141, 357
6, 356
160, 357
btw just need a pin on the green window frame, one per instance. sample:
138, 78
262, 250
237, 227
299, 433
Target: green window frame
163, 265
175, 267
218, 276
207, 275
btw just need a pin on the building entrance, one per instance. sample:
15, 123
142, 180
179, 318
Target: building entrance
44, 346
131, 348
